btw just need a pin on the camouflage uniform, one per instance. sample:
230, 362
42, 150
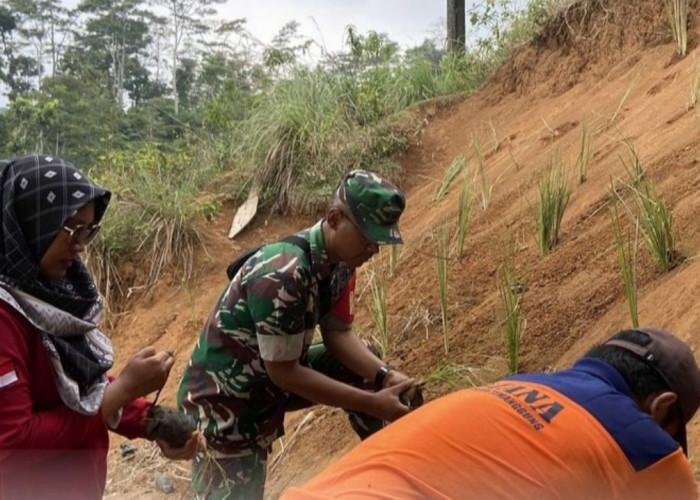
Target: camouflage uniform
269, 311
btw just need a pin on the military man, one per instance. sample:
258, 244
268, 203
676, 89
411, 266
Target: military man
255, 360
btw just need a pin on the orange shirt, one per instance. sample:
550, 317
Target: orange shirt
570, 435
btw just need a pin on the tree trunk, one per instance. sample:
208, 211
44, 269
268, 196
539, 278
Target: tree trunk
456, 17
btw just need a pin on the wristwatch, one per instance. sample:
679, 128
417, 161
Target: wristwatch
380, 376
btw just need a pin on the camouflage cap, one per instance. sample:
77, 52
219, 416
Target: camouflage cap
374, 203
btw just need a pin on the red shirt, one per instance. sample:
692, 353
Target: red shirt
46, 449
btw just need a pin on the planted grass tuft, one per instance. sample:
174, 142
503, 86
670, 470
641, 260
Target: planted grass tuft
677, 12
379, 312
554, 196
454, 169
454, 375
466, 197
627, 257
485, 186
585, 153
441, 256
656, 221
511, 292
695, 89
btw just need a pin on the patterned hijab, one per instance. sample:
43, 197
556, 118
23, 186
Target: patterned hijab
38, 195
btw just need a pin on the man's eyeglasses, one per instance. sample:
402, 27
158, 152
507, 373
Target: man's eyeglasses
82, 233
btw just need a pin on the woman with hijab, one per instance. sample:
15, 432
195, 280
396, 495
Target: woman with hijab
56, 400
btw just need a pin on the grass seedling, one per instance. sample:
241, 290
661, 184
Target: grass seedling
695, 89
677, 11
585, 153
454, 375
627, 257
393, 259
486, 189
656, 221
378, 306
633, 166
513, 322
464, 213
441, 256
454, 169
554, 196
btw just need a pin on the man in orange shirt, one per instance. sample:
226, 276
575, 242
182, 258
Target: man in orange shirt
612, 426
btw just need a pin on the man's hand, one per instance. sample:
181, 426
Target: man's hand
386, 404
394, 378
197, 443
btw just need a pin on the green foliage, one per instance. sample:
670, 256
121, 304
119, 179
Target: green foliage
553, 198
454, 375
154, 212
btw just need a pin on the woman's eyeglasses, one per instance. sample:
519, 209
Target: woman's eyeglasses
82, 233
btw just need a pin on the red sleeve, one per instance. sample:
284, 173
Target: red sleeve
131, 424
343, 309
22, 428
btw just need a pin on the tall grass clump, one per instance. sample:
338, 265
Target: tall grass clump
656, 222
441, 256
513, 322
627, 257
677, 12
464, 209
379, 311
585, 153
554, 195
452, 171
155, 216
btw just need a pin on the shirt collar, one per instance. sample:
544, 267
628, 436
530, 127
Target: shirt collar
320, 266
602, 370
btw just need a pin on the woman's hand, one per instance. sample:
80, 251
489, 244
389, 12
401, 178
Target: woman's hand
146, 372
196, 444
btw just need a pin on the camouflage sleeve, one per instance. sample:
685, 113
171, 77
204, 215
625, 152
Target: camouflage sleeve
277, 302
342, 312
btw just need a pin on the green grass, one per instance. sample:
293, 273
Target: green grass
484, 184
379, 311
441, 257
585, 153
633, 164
677, 12
627, 257
457, 165
656, 222
512, 321
464, 208
454, 375
554, 195
694, 89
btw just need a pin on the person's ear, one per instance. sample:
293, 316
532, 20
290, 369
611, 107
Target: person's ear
333, 217
662, 405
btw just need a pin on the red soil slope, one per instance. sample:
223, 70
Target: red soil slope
608, 64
